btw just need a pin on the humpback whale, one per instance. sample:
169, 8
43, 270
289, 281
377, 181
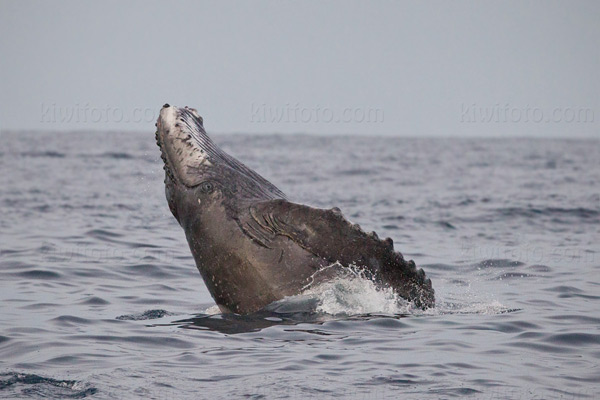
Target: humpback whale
251, 244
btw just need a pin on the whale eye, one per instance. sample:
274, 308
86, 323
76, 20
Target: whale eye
206, 187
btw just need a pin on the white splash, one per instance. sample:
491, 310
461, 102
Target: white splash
356, 295
212, 310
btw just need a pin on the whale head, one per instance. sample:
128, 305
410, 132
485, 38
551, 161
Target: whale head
198, 174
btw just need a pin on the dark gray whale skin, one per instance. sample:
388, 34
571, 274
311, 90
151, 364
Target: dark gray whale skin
251, 245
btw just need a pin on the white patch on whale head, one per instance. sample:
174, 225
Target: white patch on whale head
168, 117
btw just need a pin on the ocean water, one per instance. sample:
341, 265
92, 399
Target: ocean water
100, 297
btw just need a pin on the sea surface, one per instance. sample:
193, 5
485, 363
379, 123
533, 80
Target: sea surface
101, 299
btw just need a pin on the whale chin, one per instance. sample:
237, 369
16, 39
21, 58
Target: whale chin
185, 147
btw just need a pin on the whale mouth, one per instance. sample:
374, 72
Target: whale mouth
185, 147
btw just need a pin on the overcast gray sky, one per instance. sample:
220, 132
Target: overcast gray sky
433, 68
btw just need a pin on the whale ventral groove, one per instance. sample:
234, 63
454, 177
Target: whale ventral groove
251, 244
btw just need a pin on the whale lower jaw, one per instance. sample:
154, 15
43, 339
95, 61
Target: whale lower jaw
185, 148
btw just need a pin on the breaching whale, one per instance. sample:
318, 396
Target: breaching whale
251, 244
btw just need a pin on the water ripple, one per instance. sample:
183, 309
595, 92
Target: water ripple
98, 284
17, 385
